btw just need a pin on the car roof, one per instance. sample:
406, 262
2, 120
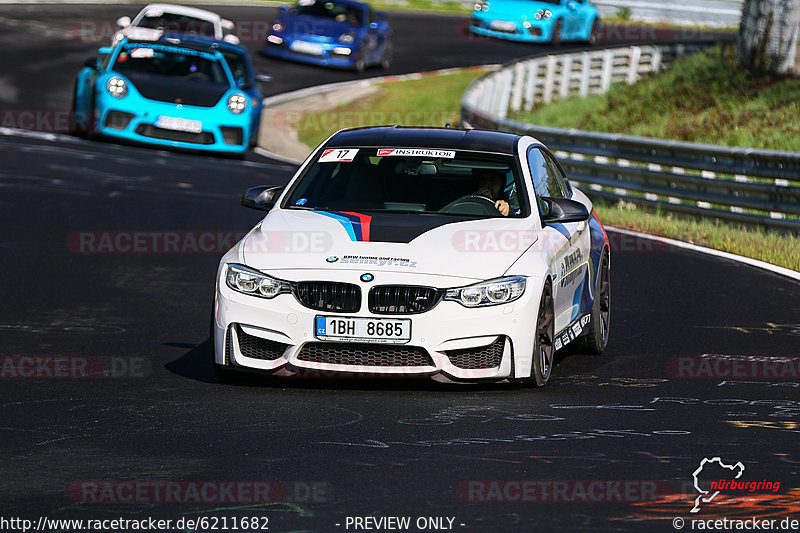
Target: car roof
352, 3
185, 10
419, 137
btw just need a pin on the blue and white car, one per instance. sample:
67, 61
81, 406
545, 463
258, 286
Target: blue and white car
168, 94
536, 21
336, 33
458, 255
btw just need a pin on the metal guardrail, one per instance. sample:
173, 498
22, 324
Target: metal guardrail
738, 184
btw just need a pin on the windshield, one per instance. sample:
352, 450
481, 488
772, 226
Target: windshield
172, 23
156, 60
332, 10
410, 181
238, 65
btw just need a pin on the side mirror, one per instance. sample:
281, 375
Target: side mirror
572, 6
373, 25
104, 50
262, 197
245, 85
92, 63
124, 22
564, 210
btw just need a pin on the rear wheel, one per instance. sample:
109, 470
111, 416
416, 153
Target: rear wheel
555, 40
595, 339
594, 33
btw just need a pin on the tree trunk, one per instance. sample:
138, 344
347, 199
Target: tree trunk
768, 36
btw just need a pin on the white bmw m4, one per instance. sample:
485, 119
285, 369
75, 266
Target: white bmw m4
460, 255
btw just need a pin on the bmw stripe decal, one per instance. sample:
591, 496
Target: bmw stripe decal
356, 224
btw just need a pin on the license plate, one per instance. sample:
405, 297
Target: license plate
502, 25
179, 124
377, 330
306, 48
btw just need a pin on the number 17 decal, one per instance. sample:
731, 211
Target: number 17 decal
337, 155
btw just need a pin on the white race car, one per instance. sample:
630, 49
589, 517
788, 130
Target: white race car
429, 252
156, 20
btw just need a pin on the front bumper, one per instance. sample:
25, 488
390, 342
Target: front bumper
326, 57
448, 342
538, 32
134, 120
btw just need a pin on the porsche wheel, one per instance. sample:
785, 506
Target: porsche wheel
555, 40
386, 58
595, 339
594, 33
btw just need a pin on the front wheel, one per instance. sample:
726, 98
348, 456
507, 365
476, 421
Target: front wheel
386, 58
543, 350
595, 339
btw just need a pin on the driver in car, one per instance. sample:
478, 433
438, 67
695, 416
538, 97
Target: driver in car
491, 184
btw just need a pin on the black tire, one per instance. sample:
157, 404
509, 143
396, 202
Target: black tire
595, 339
386, 58
74, 129
360, 65
543, 350
594, 33
555, 40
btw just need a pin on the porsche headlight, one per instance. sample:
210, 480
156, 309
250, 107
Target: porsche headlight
495, 292
542, 14
116, 87
247, 281
347, 38
278, 27
237, 103
481, 6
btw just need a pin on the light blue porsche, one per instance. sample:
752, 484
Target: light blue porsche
169, 94
537, 21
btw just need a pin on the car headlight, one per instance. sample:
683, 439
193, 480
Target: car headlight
495, 292
347, 38
117, 87
237, 103
542, 14
278, 26
248, 281
481, 6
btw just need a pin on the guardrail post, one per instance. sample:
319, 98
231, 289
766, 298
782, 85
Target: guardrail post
549, 79
586, 73
530, 85
517, 86
608, 67
566, 74
633, 69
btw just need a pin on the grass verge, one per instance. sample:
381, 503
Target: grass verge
704, 98
771, 247
428, 101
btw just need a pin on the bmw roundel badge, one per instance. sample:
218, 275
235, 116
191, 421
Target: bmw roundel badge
366, 278
332, 259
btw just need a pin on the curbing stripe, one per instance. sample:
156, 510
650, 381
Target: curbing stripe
793, 274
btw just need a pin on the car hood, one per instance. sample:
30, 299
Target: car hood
304, 25
177, 90
434, 244
515, 9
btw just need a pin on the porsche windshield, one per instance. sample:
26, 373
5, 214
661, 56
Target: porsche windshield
169, 62
175, 23
332, 10
409, 180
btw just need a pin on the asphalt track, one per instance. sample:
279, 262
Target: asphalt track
638, 419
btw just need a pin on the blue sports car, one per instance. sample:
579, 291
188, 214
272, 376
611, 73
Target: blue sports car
537, 21
170, 94
336, 33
